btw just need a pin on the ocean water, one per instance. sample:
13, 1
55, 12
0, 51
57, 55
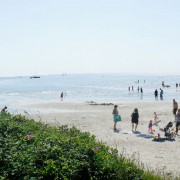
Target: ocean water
100, 88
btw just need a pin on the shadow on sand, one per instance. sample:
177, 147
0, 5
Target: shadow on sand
150, 136
136, 132
147, 136
117, 131
163, 139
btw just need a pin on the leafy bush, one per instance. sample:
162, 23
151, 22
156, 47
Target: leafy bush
34, 150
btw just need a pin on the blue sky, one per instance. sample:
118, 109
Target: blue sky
89, 36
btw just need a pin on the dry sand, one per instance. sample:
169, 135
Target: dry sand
98, 120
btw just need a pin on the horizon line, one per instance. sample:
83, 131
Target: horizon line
101, 73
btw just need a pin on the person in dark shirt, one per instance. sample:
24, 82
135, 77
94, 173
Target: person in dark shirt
135, 119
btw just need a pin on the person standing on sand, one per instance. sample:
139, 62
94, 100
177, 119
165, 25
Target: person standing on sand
135, 119
177, 120
155, 119
116, 116
175, 107
150, 126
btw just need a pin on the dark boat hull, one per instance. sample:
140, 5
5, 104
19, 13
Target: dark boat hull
35, 77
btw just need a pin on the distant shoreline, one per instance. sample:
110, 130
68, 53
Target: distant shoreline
96, 73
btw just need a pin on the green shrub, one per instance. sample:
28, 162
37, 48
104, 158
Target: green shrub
34, 150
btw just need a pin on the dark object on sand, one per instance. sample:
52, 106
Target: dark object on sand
104, 104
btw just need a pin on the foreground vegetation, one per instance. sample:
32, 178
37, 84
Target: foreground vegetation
34, 150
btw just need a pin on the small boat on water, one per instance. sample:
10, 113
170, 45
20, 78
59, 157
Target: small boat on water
34, 77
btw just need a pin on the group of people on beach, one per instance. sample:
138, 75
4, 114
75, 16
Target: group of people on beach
134, 118
155, 121
138, 89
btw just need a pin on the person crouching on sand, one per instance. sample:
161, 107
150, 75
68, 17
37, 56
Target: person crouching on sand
116, 116
135, 119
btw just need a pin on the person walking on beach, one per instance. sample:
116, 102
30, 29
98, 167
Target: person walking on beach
156, 94
175, 107
135, 119
177, 120
116, 116
62, 95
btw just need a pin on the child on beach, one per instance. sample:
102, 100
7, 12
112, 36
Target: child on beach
157, 137
155, 120
135, 119
150, 126
116, 116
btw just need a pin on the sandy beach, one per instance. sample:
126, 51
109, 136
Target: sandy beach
98, 120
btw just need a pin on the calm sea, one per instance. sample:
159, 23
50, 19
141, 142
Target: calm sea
85, 87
